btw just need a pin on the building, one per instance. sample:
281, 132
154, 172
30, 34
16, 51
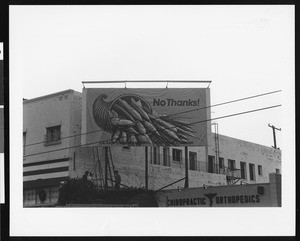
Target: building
55, 148
47, 120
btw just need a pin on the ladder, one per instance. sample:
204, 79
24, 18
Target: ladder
110, 166
102, 179
98, 180
217, 147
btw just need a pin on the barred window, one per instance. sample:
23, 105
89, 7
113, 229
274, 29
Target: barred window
243, 170
53, 135
221, 162
177, 155
193, 160
252, 171
166, 156
231, 164
259, 170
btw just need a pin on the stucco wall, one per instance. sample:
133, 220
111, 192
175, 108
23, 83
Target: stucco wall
40, 114
243, 151
250, 195
63, 108
75, 120
131, 166
225, 196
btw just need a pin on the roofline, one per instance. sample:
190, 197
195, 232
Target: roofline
69, 91
271, 148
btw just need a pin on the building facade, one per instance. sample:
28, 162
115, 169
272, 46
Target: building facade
53, 151
46, 153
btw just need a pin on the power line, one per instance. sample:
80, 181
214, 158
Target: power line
205, 107
217, 118
232, 101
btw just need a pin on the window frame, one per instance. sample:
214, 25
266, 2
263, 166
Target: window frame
193, 160
211, 164
252, 174
155, 156
221, 160
243, 166
233, 167
53, 135
259, 170
166, 156
174, 150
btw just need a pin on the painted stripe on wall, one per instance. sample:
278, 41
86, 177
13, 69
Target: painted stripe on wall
45, 162
44, 171
46, 166
46, 176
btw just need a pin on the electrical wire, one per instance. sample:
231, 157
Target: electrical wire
217, 118
205, 107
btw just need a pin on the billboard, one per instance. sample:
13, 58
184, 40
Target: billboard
164, 117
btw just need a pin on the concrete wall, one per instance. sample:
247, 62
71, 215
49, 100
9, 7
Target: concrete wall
75, 118
31, 197
243, 151
131, 166
250, 195
40, 113
82, 161
66, 109
63, 108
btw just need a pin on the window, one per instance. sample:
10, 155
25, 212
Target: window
156, 155
221, 162
53, 135
193, 160
24, 142
259, 170
277, 171
243, 170
211, 161
177, 155
231, 164
166, 157
252, 171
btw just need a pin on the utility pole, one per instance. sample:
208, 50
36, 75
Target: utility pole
106, 168
274, 135
146, 167
186, 184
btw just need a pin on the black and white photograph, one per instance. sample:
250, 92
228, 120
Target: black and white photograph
126, 117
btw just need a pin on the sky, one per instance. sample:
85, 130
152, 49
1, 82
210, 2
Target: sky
243, 50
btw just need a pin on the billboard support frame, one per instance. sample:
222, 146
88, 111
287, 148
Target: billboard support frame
147, 81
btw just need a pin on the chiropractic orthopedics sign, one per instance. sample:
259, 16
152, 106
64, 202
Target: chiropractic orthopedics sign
168, 117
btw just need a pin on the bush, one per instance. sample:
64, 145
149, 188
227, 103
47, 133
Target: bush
79, 191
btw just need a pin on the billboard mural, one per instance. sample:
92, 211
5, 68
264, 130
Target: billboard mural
165, 117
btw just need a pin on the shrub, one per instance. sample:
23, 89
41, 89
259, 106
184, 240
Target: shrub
79, 191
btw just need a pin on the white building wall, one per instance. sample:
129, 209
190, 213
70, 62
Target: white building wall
41, 161
66, 108
131, 166
243, 151
40, 113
